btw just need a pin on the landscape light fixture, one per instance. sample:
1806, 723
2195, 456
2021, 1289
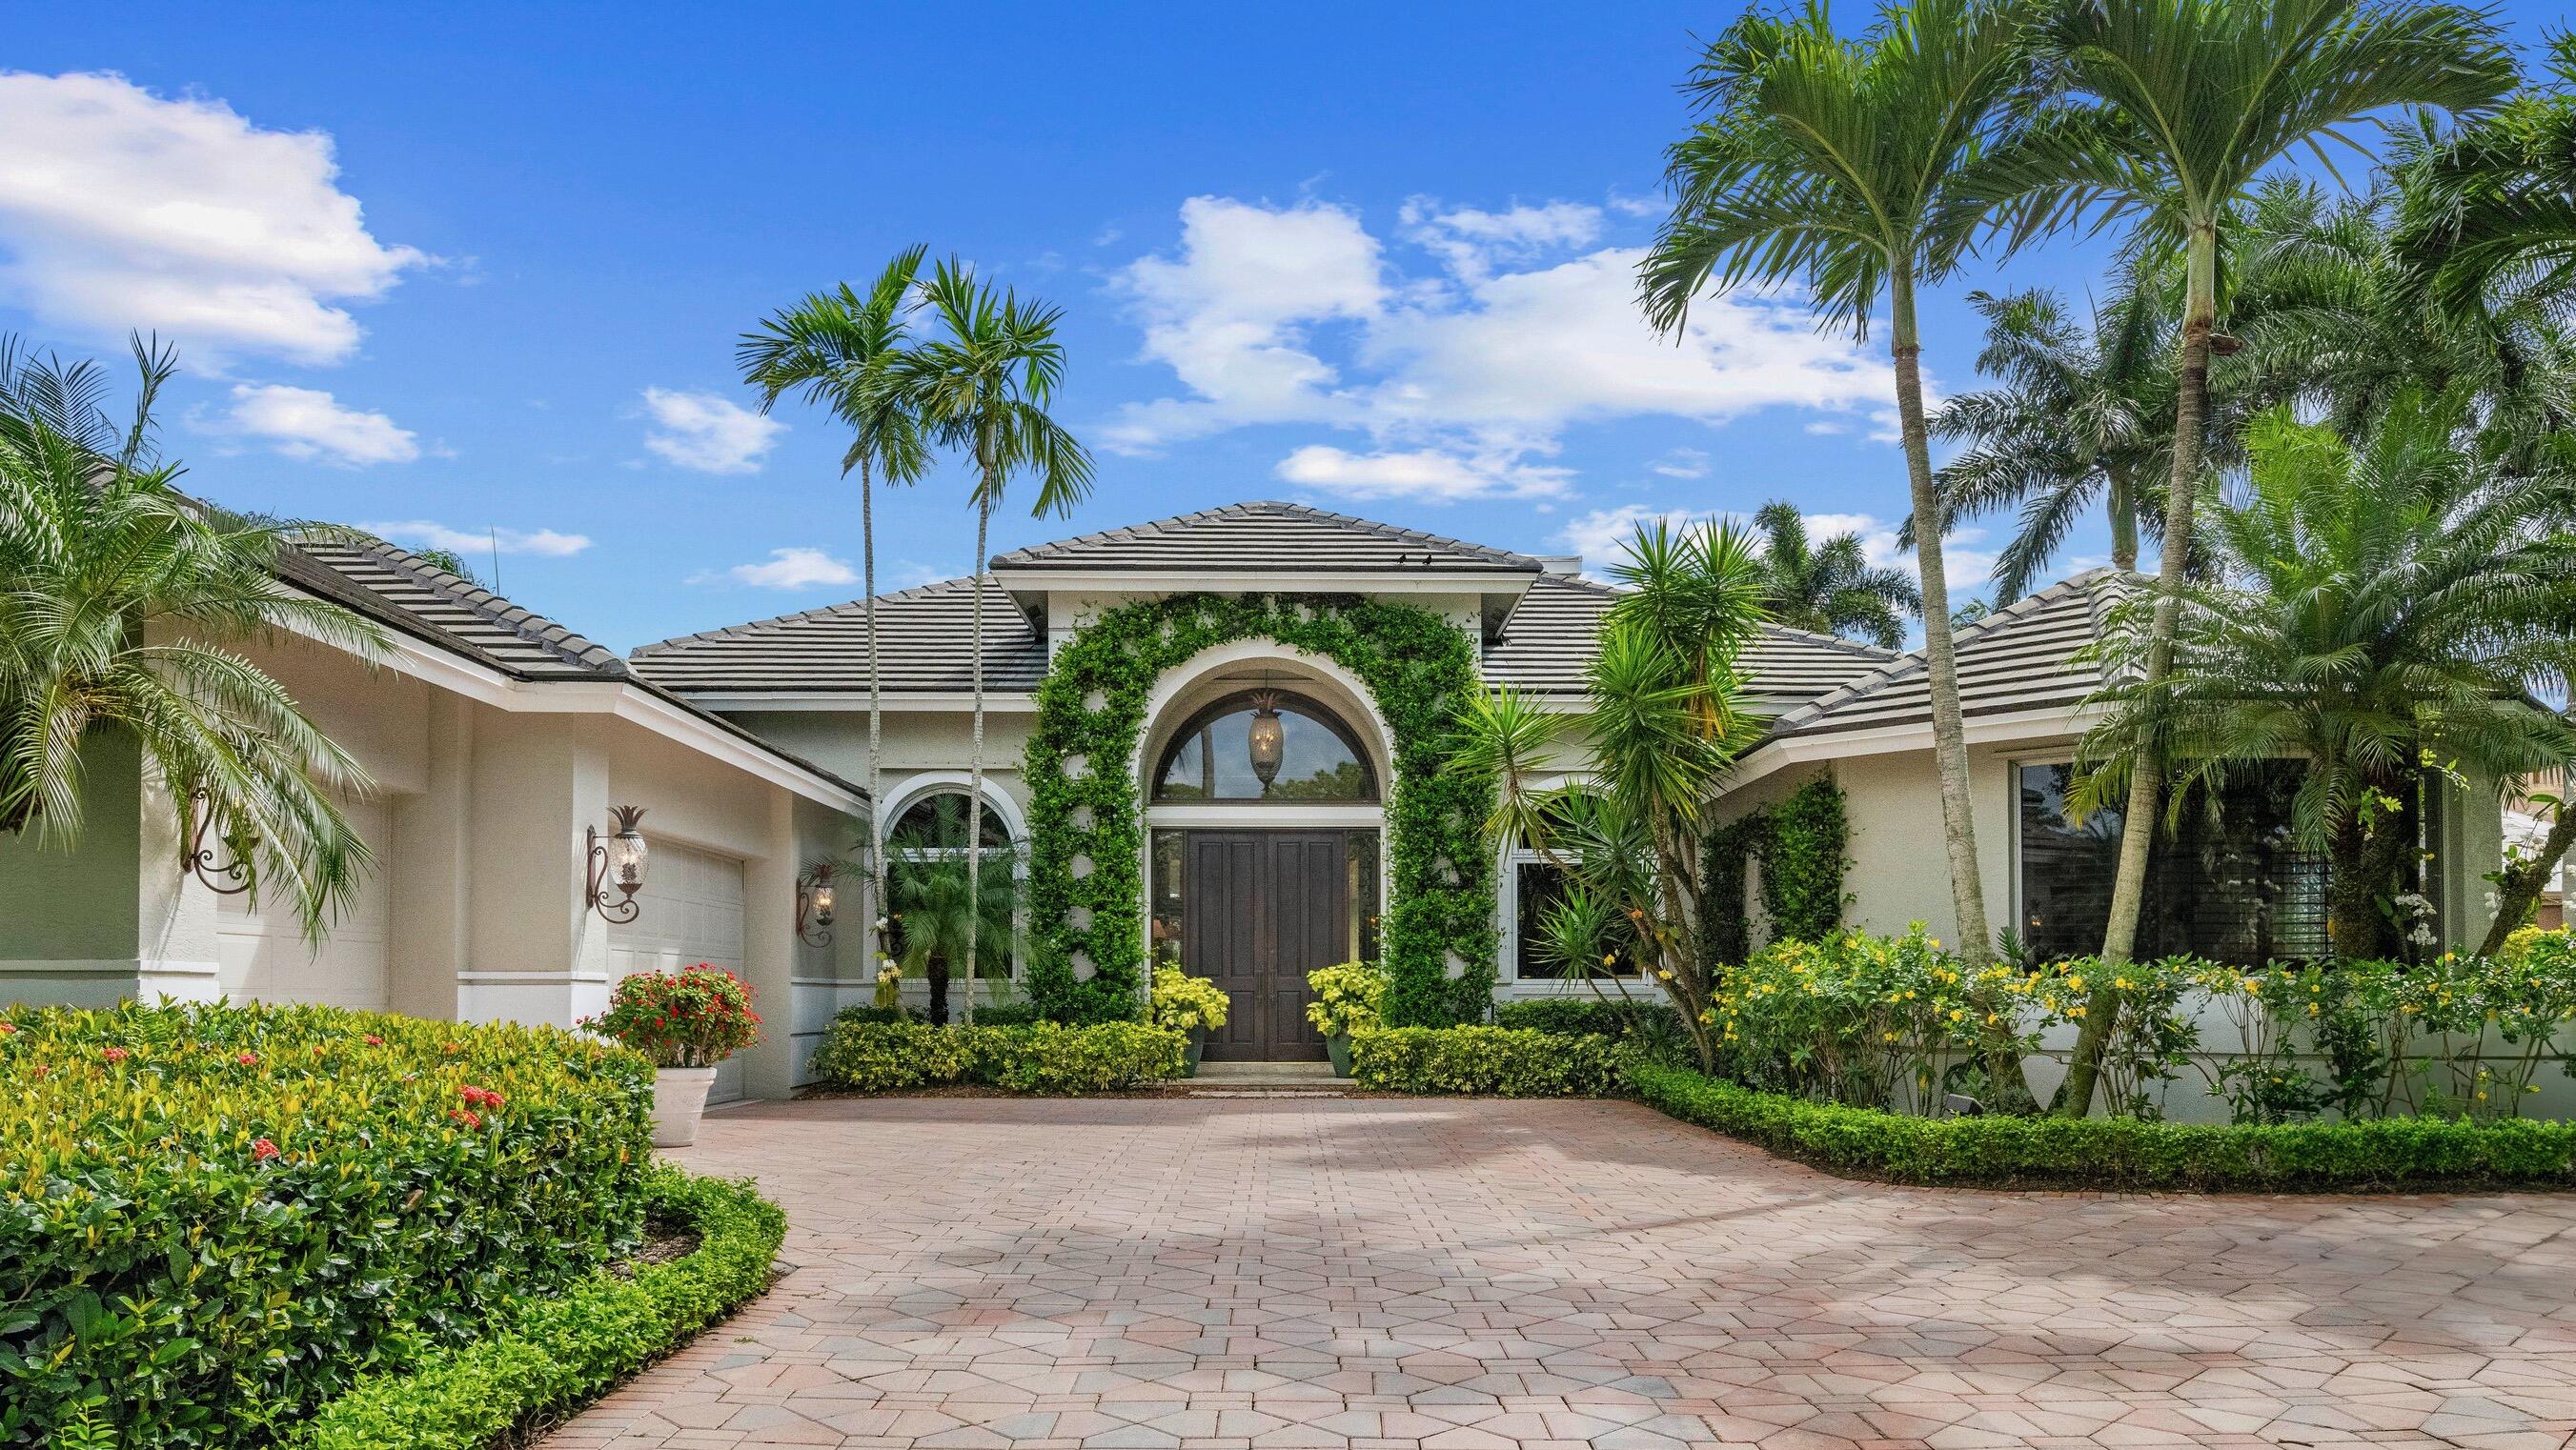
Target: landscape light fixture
617, 861
816, 895
1264, 738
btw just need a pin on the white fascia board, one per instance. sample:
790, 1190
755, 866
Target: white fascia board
845, 701
442, 669
1894, 739
1267, 581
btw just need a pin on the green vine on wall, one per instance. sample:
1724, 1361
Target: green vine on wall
1803, 844
1086, 822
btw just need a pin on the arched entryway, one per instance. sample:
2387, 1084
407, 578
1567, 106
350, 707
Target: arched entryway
1264, 808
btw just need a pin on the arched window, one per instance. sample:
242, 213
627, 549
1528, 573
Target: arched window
1264, 745
937, 822
927, 869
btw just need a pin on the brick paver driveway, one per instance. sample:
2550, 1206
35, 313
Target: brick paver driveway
1454, 1275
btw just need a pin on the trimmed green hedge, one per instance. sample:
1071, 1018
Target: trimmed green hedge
1488, 1061
2122, 1153
858, 1055
214, 1218
557, 1352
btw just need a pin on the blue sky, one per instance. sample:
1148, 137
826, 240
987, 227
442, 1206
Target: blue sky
459, 269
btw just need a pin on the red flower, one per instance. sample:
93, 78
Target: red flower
467, 1116
114, 1054
42, 1070
263, 1150
481, 1097
7, 1027
374, 1041
451, 1047
247, 1058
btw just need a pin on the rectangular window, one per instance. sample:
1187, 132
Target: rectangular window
1360, 862
2229, 882
1170, 850
1536, 885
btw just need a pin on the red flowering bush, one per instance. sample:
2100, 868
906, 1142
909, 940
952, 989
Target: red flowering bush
695, 1017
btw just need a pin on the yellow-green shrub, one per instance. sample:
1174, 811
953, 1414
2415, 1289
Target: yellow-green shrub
1488, 1061
860, 1054
214, 1218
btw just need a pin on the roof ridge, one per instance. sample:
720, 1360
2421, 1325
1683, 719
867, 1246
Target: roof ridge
1032, 553
1591, 585
820, 611
555, 637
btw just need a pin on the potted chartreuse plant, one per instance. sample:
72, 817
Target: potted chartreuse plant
1348, 999
1190, 1006
686, 1021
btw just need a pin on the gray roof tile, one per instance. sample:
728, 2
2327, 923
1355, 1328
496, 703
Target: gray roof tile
2020, 657
1272, 537
400, 589
925, 633
1548, 643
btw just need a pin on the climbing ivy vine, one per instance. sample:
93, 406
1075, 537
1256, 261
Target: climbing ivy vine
1803, 843
1087, 842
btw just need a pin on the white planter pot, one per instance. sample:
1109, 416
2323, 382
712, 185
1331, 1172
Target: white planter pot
679, 1097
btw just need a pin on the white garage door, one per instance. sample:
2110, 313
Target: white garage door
264, 957
692, 913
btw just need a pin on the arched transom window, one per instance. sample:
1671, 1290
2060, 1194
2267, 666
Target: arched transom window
1264, 745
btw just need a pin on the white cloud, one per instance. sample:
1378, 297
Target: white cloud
1681, 463
122, 209
1426, 474
310, 424
797, 568
1519, 328
1602, 536
430, 534
706, 432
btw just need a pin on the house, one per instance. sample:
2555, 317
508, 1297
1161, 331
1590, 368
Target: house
1263, 772
498, 741
1234, 716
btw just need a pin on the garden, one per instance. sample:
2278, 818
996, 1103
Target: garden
314, 1227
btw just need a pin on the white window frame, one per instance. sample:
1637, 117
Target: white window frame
924, 787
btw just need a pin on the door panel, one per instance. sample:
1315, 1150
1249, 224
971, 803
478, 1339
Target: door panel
1263, 909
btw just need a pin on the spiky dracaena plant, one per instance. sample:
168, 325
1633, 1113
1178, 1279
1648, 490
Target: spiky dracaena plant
120, 603
2381, 612
1660, 727
842, 349
982, 382
1855, 167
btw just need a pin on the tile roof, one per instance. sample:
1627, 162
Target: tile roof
924, 632
400, 589
1548, 643
2020, 657
1266, 537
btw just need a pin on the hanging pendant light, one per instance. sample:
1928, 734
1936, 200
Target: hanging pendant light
1265, 738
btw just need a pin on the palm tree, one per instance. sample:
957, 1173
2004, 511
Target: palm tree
840, 349
946, 895
983, 385
2077, 418
1853, 167
1663, 724
1830, 587
120, 599
2379, 610
2176, 110
2498, 200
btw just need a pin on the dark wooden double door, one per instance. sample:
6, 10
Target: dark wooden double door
1261, 910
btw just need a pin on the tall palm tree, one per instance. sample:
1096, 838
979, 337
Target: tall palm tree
840, 349
1830, 587
982, 384
120, 599
2498, 200
2078, 416
2375, 608
2175, 110
945, 892
1853, 167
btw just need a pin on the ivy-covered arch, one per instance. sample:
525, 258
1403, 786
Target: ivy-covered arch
1085, 805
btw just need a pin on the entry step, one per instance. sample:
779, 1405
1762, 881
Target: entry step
1268, 1074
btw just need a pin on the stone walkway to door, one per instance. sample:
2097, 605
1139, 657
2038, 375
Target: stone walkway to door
1454, 1275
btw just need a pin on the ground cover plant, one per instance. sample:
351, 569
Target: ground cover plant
216, 1218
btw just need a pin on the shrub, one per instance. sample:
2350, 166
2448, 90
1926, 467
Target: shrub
1182, 1002
1349, 998
555, 1352
1490, 1061
875, 1057
695, 1017
2121, 1153
1018, 1012
217, 1217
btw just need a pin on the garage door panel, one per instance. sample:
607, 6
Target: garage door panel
262, 955
690, 911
